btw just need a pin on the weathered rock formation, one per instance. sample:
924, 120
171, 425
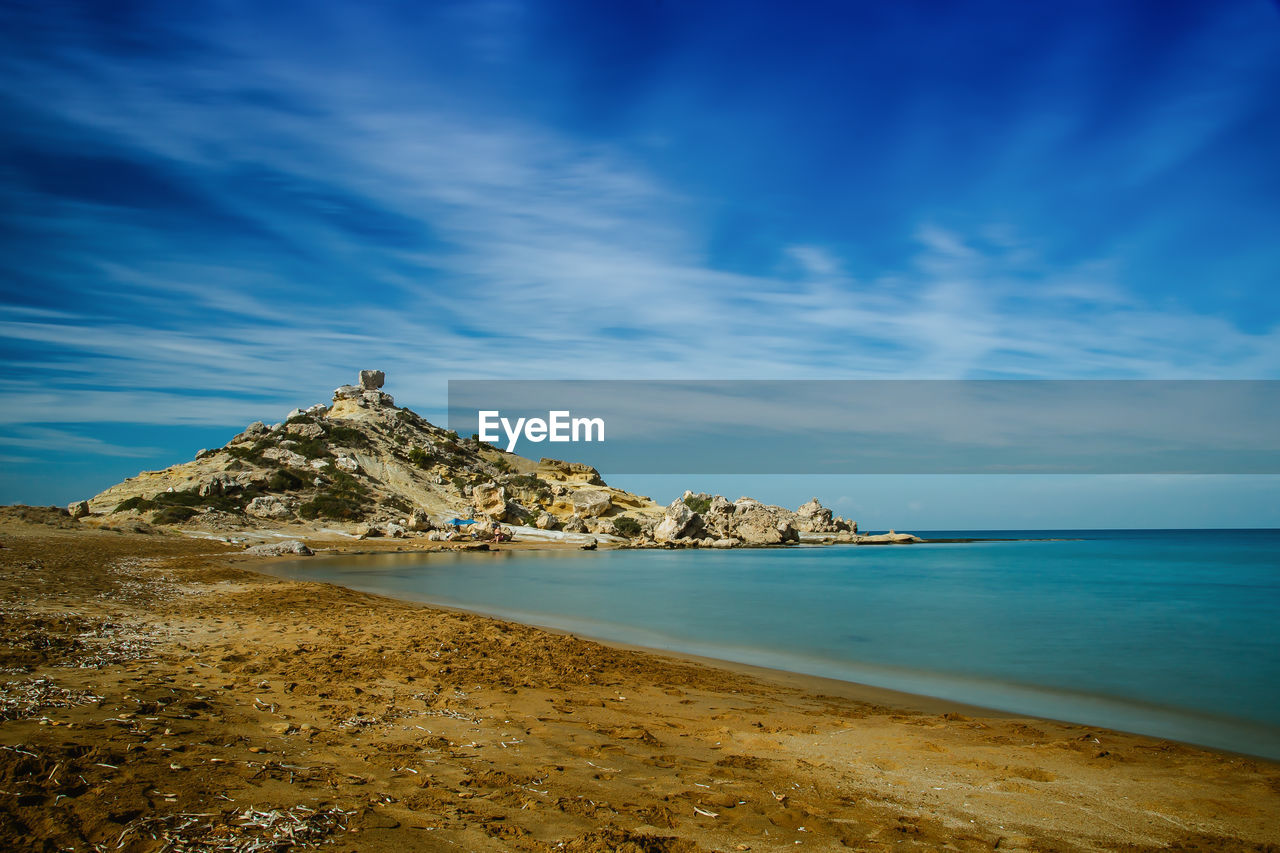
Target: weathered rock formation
590, 503
490, 499
361, 462
679, 522
386, 471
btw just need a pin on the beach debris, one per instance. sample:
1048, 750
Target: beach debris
705, 813
250, 830
20, 700
358, 721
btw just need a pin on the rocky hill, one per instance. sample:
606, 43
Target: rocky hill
362, 461
362, 465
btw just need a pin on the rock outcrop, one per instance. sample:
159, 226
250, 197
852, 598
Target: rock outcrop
271, 506
279, 549
678, 522
756, 524
813, 517
359, 462
554, 470
368, 466
490, 499
591, 503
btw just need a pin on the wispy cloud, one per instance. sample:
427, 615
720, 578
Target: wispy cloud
65, 442
269, 246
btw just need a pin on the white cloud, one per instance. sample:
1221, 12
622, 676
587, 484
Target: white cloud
555, 259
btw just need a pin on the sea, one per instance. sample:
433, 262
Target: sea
1170, 633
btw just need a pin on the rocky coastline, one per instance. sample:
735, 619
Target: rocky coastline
362, 467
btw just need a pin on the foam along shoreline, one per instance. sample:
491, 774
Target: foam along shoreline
911, 689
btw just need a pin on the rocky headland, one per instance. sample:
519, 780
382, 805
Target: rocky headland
361, 466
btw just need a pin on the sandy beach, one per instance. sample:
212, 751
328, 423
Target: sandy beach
160, 693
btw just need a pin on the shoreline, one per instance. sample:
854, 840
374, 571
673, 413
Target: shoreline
844, 688
163, 687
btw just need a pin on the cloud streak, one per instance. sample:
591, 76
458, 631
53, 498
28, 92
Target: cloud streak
208, 221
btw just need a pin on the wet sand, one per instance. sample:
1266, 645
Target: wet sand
158, 690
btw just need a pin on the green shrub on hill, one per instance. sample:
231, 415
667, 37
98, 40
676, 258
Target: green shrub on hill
344, 499
627, 527
285, 480
312, 448
348, 436
178, 498
173, 515
698, 505
251, 452
138, 503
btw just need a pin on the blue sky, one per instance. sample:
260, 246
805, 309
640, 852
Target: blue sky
211, 213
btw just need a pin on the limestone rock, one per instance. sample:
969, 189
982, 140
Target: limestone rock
557, 469
347, 392
79, 509
725, 543
270, 506
546, 521
296, 413
890, 538
589, 546
252, 432
575, 524
285, 456
279, 549
394, 531
372, 380
248, 479
601, 526
755, 524
346, 463
419, 520
813, 517
678, 523
590, 503
305, 430
718, 519
490, 499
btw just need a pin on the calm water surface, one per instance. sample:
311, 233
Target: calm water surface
1170, 633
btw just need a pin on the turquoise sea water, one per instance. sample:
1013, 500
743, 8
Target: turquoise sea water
1169, 633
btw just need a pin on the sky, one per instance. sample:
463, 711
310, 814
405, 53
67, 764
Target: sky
211, 213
